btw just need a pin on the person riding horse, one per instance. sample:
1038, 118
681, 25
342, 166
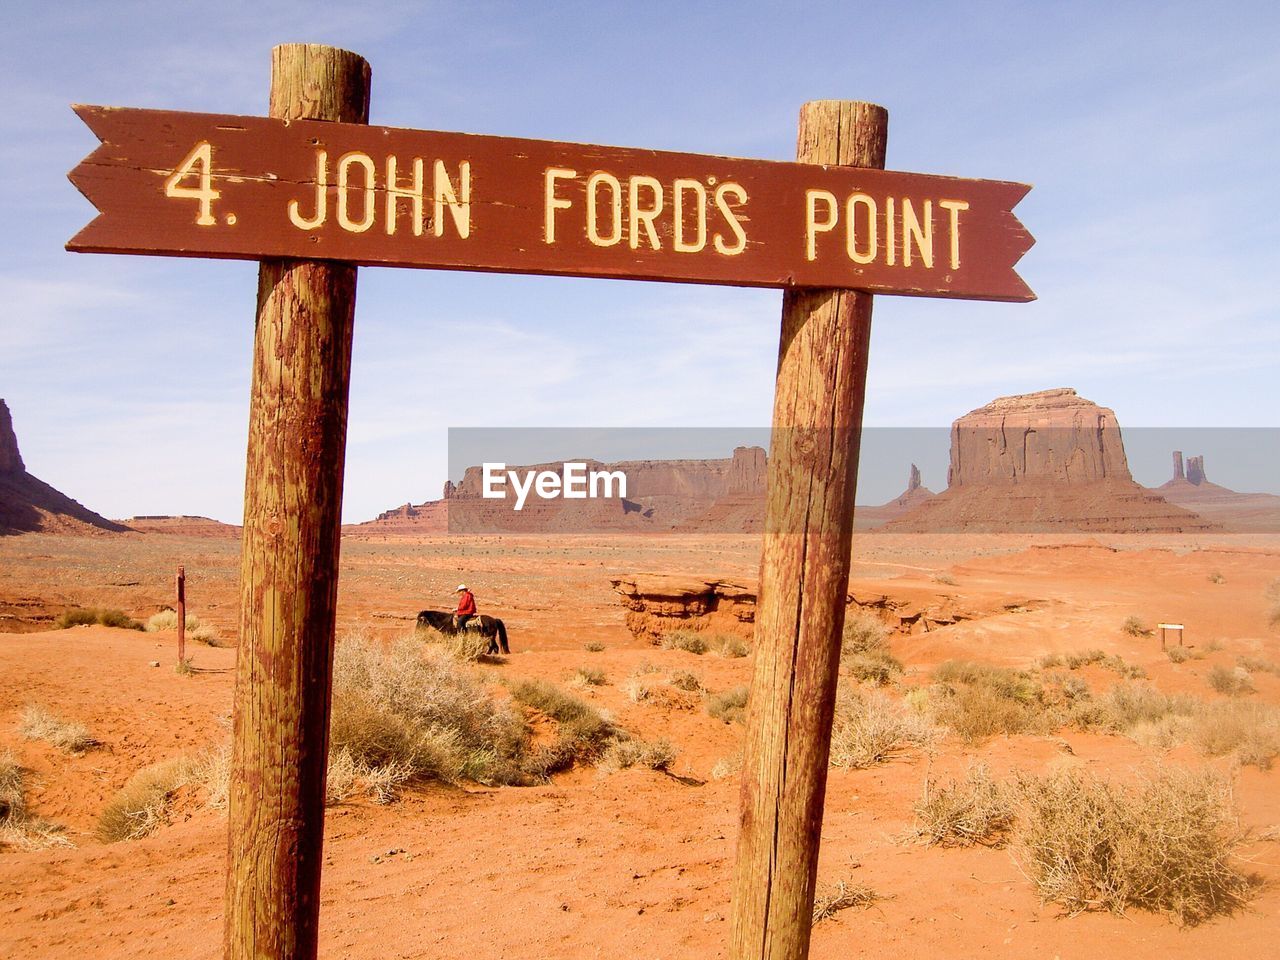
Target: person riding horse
466, 608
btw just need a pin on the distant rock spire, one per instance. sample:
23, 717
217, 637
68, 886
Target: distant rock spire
1178, 473
1195, 470
913, 479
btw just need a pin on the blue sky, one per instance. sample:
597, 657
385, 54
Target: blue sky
1150, 132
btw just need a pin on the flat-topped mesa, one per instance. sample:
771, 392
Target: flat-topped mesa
748, 471
10, 458
1043, 462
1049, 435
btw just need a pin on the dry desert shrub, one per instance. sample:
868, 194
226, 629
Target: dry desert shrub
639, 685
978, 701
1135, 626
1129, 705
1166, 845
593, 646
588, 677
1249, 730
1258, 664
1181, 654
468, 646
687, 681
727, 767
1217, 577
211, 770
686, 640
829, 900
1233, 681
142, 805
864, 650
418, 709
37, 723
17, 827
730, 705
728, 645
583, 732
654, 754
91, 615
976, 811
870, 727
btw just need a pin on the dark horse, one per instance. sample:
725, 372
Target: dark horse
490, 627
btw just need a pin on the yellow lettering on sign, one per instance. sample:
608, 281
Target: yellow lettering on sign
457, 200
913, 230
812, 225
345, 162
678, 241
873, 228
552, 203
615, 206
322, 197
890, 232
395, 193
646, 214
723, 192
954, 207
201, 155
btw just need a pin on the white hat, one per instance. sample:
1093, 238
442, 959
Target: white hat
461, 587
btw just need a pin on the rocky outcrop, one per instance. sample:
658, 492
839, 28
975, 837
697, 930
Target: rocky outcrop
29, 505
870, 518
658, 604
1178, 473
448, 490
1049, 461
10, 458
1195, 471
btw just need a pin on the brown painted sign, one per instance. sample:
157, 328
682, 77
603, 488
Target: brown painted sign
206, 185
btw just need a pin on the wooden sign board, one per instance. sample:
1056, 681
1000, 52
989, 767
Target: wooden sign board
205, 185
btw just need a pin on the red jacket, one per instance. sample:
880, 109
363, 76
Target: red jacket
466, 604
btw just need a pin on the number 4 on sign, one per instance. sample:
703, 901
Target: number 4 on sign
199, 163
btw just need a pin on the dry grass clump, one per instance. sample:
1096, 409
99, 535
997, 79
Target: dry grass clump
654, 754
978, 811
978, 700
195, 629
588, 677
728, 645
347, 776
686, 640
17, 827
870, 727
37, 723
864, 650
142, 805
1165, 845
1233, 681
419, 709
1182, 654
727, 767
730, 705
593, 646
639, 685
91, 615
468, 646
829, 900
687, 681
1135, 626
1249, 730
583, 732
1087, 658
1258, 664
1217, 577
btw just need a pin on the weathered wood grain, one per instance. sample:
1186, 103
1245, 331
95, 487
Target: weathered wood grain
261, 164
804, 577
289, 566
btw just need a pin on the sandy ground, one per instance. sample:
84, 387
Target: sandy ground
603, 864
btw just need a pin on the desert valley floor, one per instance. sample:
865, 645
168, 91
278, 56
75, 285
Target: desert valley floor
625, 862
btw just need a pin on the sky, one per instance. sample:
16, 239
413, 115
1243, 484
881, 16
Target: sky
1149, 130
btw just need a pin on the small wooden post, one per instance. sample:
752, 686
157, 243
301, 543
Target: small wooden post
182, 616
289, 566
804, 576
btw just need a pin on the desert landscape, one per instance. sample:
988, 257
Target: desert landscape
989, 682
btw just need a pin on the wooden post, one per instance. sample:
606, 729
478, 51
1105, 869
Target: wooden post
804, 575
289, 566
182, 617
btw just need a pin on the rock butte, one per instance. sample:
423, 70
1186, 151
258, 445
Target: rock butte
1245, 512
1046, 461
30, 505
